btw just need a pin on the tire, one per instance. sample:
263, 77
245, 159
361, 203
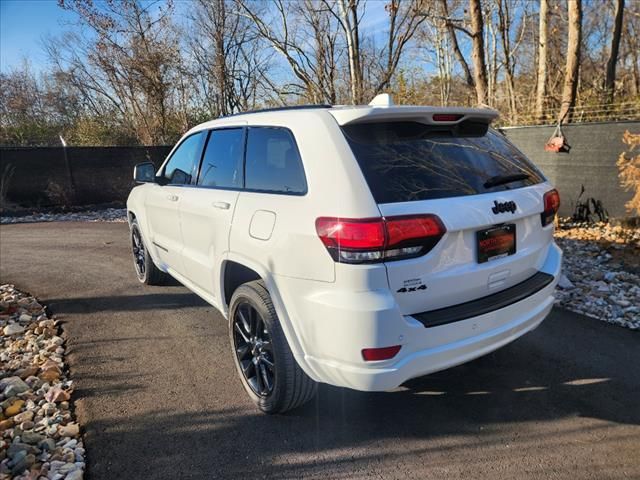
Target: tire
146, 270
282, 386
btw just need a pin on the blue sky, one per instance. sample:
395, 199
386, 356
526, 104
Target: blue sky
23, 24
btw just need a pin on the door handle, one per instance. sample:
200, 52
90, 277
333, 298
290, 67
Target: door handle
222, 205
172, 198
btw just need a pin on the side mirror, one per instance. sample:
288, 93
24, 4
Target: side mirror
144, 172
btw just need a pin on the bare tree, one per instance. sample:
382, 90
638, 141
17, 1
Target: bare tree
287, 33
631, 46
404, 20
572, 67
609, 83
478, 52
504, 16
229, 60
129, 63
349, 14
468, 76
541, 85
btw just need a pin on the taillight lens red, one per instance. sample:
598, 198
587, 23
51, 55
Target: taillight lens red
379, 239
376, 354
346, 233
551, 202
402, 229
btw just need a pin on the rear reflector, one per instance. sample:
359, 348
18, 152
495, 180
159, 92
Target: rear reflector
551, 202
445, 117
376, 354
379, 239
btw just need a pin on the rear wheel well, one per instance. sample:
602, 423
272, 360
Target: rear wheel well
236, 274
132, 216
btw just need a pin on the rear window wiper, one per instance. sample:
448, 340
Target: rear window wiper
504, 179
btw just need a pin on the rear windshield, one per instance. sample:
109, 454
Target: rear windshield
408, 161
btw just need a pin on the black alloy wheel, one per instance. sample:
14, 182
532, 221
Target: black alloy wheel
139, 252
254, 350
146, 271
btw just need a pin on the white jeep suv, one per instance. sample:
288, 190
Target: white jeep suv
359, 246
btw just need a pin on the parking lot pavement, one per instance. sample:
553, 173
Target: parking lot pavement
157, 393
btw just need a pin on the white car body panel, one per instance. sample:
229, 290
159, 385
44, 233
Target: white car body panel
330, 311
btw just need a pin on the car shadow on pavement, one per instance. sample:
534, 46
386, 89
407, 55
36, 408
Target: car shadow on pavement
145, 301
555, 389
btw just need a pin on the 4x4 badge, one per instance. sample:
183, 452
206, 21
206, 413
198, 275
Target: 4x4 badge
504, 207
411, 289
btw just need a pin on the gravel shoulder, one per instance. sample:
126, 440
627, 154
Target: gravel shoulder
157, 394
38, 435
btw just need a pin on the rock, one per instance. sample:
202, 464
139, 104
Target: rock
14, 408
565, 283
13, 329
5, 424
69, 430
74, 475
28, 425
32, 438
12, 386
17, 447
47, 445
22, 464
71, 444
23, 417
56, 394
50, 376
24, 373
597, 275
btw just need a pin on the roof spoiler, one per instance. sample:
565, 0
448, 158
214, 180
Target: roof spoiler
429, 115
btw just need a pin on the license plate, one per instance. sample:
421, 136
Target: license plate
496, 242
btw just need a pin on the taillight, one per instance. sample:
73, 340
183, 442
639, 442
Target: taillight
551, 202
379, 239
376, 354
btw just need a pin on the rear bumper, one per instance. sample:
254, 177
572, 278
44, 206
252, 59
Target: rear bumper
332, 347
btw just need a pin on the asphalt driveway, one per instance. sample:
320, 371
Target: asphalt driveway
158, 398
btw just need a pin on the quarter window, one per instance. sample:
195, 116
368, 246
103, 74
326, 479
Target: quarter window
273, 162
182, 165
222, 162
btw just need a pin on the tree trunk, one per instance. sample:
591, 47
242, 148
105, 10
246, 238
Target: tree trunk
541, 88
220, 60
610, 79
479, 66
573, 60
505, 26
468, 76
353, 47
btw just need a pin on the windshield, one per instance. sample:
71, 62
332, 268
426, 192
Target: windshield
408, 161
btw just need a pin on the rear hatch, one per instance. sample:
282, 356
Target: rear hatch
487, 194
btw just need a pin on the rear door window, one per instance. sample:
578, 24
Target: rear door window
409, 161
273, 162
222, 162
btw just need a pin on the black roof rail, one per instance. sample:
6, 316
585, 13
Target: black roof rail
277, 109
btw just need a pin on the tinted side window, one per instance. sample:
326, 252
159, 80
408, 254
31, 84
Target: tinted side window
273, 163
182, 165
222, 162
